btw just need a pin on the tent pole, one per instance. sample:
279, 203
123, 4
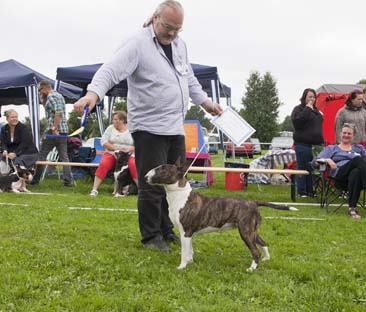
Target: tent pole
100, 116
111, 100
33, 106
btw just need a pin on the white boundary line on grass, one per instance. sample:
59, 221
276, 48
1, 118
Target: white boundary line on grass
104, 209
301, 204
135, 211
35, 193
295, 218
12, 204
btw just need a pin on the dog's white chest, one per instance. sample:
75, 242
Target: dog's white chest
176, 201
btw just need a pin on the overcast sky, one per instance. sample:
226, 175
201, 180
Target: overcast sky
302, 43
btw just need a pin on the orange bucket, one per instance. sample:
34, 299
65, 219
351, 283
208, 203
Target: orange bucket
235, 181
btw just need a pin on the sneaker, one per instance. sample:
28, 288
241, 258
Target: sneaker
68, 184
158, 243
303, 195
94, 193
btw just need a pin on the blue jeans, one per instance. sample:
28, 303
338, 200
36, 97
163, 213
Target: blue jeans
304, 156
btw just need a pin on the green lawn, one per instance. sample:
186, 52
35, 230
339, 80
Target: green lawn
55, 257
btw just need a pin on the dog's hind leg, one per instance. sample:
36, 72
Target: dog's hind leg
263, 244
248, 235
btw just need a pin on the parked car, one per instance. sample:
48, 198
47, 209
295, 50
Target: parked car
213, 144
245, 150
282, 142
256, 146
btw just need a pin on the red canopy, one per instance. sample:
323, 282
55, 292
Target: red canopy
331, 98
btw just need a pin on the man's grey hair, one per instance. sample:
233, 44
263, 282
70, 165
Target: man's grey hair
167, 3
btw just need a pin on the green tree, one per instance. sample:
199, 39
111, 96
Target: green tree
91, 129
362, 81
197, 113
287, 125
261, 104
42, 124
120, 104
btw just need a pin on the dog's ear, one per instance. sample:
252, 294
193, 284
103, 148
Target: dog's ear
184, 167
178, 162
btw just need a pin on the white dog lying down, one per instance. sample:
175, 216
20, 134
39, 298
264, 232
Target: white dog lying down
193, 213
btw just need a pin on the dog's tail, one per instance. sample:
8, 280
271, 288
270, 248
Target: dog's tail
275, 206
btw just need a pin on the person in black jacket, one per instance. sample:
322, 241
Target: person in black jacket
17, 142
308, 125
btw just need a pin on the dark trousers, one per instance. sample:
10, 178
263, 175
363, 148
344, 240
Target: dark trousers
151, 151
46, 146
352, 176
304, 156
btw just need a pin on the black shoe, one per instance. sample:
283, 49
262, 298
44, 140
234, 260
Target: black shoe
158, 243
171, 238
68, 184
34, 182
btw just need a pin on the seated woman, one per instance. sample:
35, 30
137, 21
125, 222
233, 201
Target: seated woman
347, 165
17, 145
115, 138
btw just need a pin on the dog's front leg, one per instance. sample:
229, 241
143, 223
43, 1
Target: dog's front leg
186, 253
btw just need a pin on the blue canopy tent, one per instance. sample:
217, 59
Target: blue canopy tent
18, 86
81, 76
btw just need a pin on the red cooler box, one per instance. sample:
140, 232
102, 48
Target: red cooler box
235, 181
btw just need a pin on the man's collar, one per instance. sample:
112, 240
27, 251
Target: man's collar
151, 31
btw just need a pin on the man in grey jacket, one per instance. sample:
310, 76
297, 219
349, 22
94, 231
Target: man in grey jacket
160, 81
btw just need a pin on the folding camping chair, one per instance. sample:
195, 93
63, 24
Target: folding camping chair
332, 194
52, 156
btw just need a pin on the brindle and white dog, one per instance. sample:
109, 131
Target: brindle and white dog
123, 182
14, 181
193, 213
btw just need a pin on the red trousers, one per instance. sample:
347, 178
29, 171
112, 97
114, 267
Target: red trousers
108, 162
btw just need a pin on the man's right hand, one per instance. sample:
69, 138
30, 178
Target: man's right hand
90, 99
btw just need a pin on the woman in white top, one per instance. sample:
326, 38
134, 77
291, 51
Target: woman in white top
115, 138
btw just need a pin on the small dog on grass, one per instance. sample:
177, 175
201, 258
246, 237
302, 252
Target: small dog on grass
15, 181
123, 182
193, 213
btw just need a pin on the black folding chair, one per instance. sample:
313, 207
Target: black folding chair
332, 194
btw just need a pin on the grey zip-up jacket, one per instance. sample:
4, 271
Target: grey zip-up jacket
158, 91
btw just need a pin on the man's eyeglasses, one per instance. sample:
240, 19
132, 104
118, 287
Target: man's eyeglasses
169, 28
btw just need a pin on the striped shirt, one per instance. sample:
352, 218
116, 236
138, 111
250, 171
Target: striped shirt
158, 90
55, 104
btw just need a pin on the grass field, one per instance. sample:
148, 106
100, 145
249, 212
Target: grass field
68, 252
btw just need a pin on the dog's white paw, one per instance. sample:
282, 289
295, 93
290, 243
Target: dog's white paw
119, 195
182, 266
293, 209
266, 258
252, 267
